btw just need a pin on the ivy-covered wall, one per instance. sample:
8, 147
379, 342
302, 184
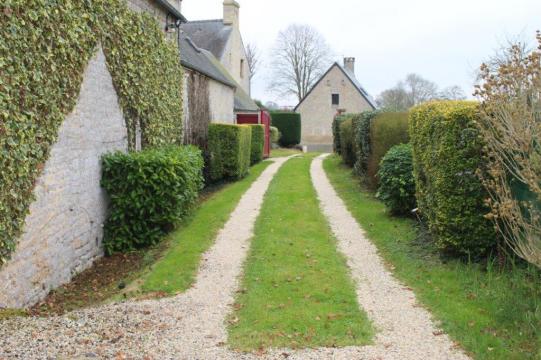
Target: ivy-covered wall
45, 47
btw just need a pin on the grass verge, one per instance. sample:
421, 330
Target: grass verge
493, 314
283, 152
175, 271
296, 290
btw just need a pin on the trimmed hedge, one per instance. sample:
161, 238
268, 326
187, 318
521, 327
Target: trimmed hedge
361, 130
48, 45
258, 143
289, 125
386, 130
447, 153
397, 184
275, 134
337, 121
346, 142
229, 151
149, 192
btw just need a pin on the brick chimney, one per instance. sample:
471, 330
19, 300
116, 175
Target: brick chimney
231, 13
349, 64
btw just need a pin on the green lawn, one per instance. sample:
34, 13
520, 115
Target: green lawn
493, 314
176, 270
282, 152
296, 290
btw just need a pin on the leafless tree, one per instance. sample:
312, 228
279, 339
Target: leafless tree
252, 57
413, 91
452, 93
300, 57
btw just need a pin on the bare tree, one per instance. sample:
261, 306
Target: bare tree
300, 57
452, 93
415, 90
252, 57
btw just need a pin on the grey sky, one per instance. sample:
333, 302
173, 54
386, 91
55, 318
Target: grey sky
443, 41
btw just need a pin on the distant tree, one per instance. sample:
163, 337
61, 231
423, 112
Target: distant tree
452, 93
395, 99
259, 103
252, 57
415, 90
271, 105
300, 57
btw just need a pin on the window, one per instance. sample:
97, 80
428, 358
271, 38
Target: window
242, 68
335, 99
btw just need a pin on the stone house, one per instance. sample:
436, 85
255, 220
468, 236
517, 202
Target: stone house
222, 42
337, 91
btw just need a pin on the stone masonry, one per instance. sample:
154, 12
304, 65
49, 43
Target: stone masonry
63, 232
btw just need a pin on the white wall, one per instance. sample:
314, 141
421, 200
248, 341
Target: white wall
222, 102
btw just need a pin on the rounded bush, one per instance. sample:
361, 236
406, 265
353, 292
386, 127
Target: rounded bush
289, 124
397, 184
275, 135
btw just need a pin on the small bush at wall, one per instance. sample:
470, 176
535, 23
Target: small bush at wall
275, 134
149, 192
361, 132
258, 143
48, 45
229, 148
289, 124
346, 142
396, 181
447, 153
386, 130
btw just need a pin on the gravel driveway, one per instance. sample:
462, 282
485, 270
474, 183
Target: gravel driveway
191, 325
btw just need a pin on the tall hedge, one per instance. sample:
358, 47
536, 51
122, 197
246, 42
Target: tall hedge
387, 129
229, 151
337, 121
361, 132
149, 192
258, 143
447, 152
289, 124
47, 46
347, 150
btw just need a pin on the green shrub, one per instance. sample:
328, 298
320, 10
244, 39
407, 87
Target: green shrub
49, 44
447, 153
229, 151
396, 182
289, 124
386, 130
258, 143
346, 142
149, 192
337, 121
275, 134
361, 139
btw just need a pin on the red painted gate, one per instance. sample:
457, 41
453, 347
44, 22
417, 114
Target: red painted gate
262, 118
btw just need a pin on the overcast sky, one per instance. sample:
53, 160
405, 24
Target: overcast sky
443, 41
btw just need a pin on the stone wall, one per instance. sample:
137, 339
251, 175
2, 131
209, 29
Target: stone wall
153, 8
317, 111
222, 102
63, 232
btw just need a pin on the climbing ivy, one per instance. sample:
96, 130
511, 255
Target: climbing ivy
45, 47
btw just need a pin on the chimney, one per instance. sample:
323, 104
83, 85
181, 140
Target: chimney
231, 13
349, 64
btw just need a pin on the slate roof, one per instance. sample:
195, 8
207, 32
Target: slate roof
212, 35
243, 101
351, 78
196, 59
